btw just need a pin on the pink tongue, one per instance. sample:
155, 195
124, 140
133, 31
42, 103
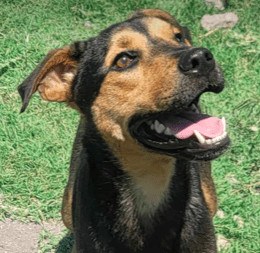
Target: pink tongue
184, 125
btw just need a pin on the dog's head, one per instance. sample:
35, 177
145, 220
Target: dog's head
139, 82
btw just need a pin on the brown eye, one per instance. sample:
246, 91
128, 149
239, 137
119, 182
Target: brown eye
124, 61
178, 37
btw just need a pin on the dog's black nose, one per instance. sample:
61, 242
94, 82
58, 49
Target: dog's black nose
198, 61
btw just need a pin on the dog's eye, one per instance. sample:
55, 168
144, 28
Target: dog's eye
178, 37
124, 61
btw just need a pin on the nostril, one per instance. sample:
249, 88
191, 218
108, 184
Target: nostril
195, 63
208, 56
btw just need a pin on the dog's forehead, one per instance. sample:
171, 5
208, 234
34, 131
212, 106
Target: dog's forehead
161, 29
137, 33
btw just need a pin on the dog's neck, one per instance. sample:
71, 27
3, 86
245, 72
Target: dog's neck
149, 173
138, 192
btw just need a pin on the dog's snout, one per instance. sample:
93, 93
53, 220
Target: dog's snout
198, 61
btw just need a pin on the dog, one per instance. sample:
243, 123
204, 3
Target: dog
140, 176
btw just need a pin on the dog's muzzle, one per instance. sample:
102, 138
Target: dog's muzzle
182, 130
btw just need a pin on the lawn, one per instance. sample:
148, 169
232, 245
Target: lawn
36, 145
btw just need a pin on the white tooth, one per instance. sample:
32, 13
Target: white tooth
160, 129
200, 138
168, 131
152, 126
209, 141
216, 139
224, 124
219, 138
156, 124
223, 135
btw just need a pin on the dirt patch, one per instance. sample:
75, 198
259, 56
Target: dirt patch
54, 227
18, 237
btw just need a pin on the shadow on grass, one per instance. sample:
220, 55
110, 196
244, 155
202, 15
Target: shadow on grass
66, 244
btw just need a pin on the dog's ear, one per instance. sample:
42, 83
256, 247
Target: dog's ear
157, 13
53, 77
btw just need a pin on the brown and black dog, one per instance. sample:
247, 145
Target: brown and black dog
139, 177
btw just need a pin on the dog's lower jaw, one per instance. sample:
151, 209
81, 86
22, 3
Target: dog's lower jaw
106, 217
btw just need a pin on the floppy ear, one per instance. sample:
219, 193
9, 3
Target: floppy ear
53, 77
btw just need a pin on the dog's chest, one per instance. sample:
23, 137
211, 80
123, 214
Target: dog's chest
149, 179
150, 192
151, 211
139, 202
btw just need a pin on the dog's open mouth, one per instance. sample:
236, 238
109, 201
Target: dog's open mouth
186, 133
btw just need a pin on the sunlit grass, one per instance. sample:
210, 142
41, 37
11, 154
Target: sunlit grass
36, 145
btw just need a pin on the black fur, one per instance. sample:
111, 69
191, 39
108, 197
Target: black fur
102, 222
100, 180
177, 227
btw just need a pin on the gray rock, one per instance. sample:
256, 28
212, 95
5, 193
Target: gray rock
219, 4
227, 20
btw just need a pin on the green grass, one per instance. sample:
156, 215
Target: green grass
36, 145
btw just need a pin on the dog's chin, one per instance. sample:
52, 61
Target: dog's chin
185, 134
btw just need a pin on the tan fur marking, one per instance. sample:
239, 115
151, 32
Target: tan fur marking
122, 40
142, 90
208, 188
150, 173
188, 43
67, 207
160, 29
